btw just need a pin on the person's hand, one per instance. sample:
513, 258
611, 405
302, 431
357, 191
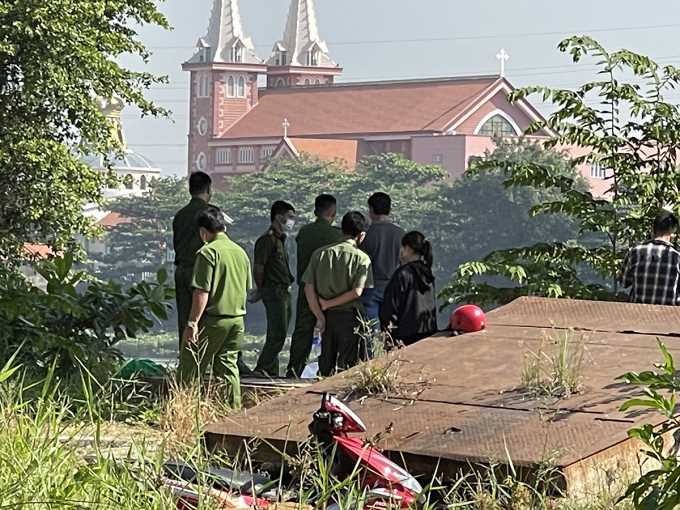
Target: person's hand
190, 335
254, 296
320, 324
324, 304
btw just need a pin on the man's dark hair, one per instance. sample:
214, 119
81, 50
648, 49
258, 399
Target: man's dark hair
665, 223
199, 183
280, 207
212, 219
380, 203
324, 203
353, 224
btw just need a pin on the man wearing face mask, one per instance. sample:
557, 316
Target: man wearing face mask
273, 280
221, 280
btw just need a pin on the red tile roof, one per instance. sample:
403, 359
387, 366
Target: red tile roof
329, 149
38, 251
363, 108
112, 219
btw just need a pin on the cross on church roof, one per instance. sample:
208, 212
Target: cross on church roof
285, 125
503, 57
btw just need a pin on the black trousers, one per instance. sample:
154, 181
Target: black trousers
341, 346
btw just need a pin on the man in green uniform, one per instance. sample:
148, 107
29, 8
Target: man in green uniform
187, 242
310, 238
273, 280
334, 283
215, 329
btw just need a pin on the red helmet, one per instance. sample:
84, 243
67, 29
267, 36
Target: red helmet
467, 319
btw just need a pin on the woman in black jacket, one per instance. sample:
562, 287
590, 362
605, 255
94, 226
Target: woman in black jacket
409, 312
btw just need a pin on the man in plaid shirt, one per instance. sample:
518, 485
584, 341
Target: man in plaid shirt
652, 270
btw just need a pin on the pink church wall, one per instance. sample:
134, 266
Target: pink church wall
498, 102
450, 148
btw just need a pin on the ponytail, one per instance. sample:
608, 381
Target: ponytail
421, 246
427, 254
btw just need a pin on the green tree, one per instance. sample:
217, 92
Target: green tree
465, 218
140, 243
76, 321
657, 488
623, 123
56, 59
249, 197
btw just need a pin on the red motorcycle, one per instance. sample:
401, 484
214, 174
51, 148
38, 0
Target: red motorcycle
386, 484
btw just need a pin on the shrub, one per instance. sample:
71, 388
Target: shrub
76, 322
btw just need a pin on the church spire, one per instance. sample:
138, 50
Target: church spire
226, 41
301, 44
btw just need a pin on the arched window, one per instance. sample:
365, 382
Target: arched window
313, 57
231, 87
241, 87
280, 83
317, 82
203, 88
307, 82
237, 53
202, 126
497, 126
201, 162
282, 58
129, 181
204, 55
142, 182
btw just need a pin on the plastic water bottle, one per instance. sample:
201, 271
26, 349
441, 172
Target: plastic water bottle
312, 370
316, 344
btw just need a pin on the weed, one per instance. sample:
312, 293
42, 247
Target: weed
381, 376
187, 409
43, 465
555, 369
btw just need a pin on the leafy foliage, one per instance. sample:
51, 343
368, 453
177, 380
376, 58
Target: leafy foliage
56, 59
141, 241
622, 122
76, 322
249, 197
659, 487
464, 219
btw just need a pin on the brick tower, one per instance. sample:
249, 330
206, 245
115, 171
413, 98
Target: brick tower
223, 85
301, 58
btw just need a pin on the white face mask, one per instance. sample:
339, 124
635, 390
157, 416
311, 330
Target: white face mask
290, 225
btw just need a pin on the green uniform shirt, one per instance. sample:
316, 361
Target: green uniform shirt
339, 268
312, 237
185, 236
223, 270
271, 254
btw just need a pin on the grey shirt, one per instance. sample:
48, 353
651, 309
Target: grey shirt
382, 243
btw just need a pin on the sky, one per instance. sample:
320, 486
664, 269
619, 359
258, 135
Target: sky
394, 39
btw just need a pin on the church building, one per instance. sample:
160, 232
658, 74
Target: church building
244, 110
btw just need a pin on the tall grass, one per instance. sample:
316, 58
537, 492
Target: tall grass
44, 463
555, 369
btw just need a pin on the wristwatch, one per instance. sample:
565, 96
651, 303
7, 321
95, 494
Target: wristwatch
192, 324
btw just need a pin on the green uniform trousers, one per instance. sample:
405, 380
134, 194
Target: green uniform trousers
341, 345
183, 295
278, 305
301, 343
219, 343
